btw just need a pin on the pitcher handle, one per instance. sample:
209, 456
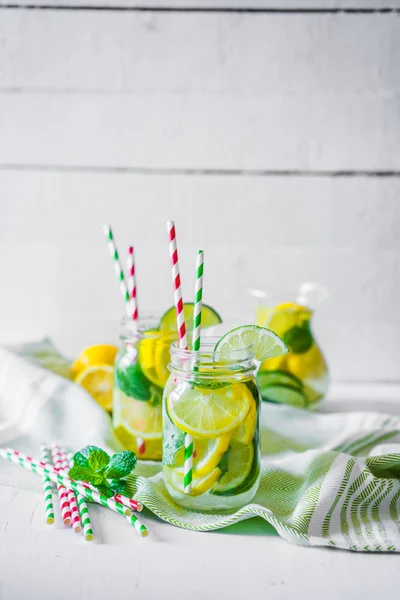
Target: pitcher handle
312, 294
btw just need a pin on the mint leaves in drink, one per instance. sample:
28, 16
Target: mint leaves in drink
105, 472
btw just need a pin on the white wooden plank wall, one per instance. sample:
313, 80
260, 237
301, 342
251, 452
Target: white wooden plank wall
269, 132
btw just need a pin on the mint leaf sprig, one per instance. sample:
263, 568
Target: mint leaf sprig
105, 472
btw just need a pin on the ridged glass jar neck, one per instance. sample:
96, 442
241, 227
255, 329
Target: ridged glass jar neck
146, 327
207, 364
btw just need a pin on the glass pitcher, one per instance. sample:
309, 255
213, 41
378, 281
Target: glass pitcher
299, 378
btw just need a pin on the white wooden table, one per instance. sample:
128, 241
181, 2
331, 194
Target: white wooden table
38, 561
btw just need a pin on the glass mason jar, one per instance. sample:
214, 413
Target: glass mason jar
299, 378
214, 403
140, 373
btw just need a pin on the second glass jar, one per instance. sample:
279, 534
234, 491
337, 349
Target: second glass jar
140, 373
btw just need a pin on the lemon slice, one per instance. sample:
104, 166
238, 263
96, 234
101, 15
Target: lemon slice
162, 358
154, 356
139, 419
283, 317
98, 381
263, 342
239, 461
207, 454
245, 432
209, 413
199, 485
146, 357
101, 354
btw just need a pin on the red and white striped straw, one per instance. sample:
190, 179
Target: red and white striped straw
132, 284
46, 470
62, 491
82, 506
181, 326
176, 280
73, 502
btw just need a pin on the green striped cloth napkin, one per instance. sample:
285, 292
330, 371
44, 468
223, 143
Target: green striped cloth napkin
318, 486
321, 496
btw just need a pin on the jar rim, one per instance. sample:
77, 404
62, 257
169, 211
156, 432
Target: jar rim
132, 331
207, 350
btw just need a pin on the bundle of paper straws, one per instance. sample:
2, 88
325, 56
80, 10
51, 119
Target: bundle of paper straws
72, 495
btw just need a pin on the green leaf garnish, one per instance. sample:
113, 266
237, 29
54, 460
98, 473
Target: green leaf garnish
133, 382
98, 459
120, 465
86, 451
85, 474
299, 338
119, 486
94, 465
80, 460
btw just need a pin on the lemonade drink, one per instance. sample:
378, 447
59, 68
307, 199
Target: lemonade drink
215, 400
140, 373
299, 378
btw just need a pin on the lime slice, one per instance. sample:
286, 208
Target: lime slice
199, 485
245, 432
209, 413
209, 317
237, 466
285, 395
206, 456
264, 343
277, 377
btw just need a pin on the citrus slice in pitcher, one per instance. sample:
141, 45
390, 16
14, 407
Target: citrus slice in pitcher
263, 342
284, 394
277, 377
209, 413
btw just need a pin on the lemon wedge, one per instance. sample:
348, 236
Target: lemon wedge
100, 354
199, 486
206, 456
98, 381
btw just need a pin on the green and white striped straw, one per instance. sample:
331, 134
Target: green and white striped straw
198, 304
82, 507
118, 267
47, 488
198, 301
85, 519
